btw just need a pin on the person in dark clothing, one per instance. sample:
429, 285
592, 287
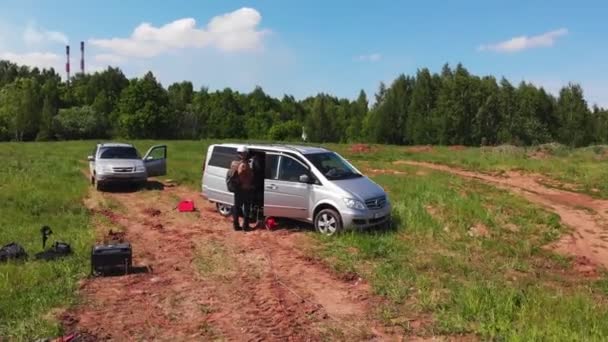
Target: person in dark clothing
243, 195
257, 164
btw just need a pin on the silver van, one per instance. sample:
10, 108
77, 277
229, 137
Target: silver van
309, 184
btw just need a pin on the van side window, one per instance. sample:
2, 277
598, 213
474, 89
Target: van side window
272, 163
291, 170
222, 156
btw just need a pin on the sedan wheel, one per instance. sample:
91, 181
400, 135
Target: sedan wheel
224, 209
327, 222
98, 185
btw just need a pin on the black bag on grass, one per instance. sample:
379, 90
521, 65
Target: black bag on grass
12, 251
59, 250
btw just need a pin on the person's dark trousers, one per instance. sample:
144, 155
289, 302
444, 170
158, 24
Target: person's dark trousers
242, 199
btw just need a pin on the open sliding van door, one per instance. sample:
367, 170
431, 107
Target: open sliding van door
287, 187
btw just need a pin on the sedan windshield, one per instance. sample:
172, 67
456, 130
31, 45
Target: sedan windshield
332, 166
118, 153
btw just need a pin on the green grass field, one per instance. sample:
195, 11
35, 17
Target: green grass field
40, 184
498, 286
465, 258
586, 169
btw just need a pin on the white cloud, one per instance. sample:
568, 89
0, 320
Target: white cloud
35, 36
34, 59
35, 40
234, 31
373, 57
108, 58
93, 68
521, 43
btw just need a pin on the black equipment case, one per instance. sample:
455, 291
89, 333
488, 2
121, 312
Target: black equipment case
111, 258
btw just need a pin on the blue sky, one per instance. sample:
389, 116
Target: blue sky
306, 47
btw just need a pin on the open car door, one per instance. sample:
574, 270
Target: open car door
156, 161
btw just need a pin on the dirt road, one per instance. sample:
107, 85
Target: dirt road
587, 216
208, 282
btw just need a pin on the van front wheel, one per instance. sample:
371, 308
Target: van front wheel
224, 209
328, 222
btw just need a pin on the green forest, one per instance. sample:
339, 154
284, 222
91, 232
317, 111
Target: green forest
451, 107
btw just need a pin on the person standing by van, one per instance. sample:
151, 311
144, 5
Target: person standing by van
243, 187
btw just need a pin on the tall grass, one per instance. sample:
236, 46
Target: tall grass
40, 184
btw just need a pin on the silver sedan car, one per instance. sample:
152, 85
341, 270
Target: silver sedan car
120, 163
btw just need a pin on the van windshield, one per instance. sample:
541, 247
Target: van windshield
118, 153
332, 166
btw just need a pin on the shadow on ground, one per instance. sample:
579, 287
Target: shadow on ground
130, 187
118, 272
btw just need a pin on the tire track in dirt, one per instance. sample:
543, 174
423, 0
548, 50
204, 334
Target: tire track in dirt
587, 216
266, 288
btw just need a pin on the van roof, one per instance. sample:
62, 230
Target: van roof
281, 147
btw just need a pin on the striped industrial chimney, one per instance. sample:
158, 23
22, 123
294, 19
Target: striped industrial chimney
82, 57
67, 63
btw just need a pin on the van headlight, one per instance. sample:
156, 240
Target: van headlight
354, 204
106, 169
140, 168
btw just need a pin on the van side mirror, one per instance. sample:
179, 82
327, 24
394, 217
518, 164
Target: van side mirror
90, 158
304, 179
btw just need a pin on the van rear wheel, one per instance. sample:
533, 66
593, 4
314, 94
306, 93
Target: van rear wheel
328, 222
224, 209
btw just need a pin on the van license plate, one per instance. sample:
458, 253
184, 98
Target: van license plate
377, 215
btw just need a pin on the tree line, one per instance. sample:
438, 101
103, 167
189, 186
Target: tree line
450, 107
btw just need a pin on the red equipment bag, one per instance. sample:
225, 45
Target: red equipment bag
185, 205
